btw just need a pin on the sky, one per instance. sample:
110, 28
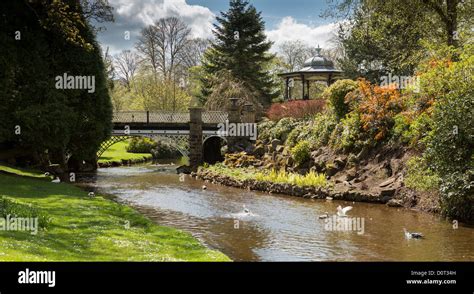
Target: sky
285, 20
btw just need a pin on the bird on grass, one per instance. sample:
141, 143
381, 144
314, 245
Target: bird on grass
409, 235
46, 174
341, 212
91, 194
56, 180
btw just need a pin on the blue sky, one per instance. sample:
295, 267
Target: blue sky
273, 11
285, 20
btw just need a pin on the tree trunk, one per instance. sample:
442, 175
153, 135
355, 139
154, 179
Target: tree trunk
451, 24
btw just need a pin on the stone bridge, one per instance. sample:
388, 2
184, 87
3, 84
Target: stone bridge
188, 132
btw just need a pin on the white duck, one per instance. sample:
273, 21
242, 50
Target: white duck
56, 180
91, 194
324, 216
341, 212
409, 235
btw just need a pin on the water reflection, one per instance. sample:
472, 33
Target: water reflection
280, 228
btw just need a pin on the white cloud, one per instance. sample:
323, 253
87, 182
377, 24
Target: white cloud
134, 15
290, 30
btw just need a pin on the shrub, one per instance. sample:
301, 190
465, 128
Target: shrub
141, 145
296, 109
264, 129
164, 150
348, 135
457, 196
377, 107
450, 144
283, 177
336, 94
321, 129
419, 176
317, 131
283, 128
301, 152
299, 132
412, 131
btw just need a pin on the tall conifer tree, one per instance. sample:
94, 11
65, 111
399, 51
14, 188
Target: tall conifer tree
241, 47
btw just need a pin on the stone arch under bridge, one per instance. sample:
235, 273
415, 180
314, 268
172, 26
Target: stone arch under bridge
186, 131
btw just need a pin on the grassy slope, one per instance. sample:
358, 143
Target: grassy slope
84, 229
118, 152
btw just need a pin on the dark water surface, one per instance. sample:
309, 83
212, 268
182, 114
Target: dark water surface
281, 228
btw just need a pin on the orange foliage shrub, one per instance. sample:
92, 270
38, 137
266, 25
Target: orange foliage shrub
377, 107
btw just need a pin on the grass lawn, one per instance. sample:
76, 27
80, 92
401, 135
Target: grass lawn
118, 152
84, 229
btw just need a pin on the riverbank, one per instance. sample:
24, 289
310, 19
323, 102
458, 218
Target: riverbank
378, 177
247, 178
117, 155
82, 228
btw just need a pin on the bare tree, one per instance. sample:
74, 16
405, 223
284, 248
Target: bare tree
126, 64
193, 52
293, 54
162, 45
109, 67
148, 47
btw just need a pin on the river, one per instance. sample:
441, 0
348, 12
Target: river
278, 227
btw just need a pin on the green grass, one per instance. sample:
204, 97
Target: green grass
273, 176
21, 171
84, 229
118, 152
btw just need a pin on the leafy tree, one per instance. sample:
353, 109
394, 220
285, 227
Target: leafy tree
241, 47
53, 123
384, 36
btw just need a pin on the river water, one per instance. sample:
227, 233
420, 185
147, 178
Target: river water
281, 228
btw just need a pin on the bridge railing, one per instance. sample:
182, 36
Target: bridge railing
166, 117
214, 117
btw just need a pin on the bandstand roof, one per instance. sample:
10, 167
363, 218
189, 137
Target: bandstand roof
315, 68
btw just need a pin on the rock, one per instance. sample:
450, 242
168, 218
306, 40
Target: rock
331, 170
385, 199
279, 148
395, 165
395, 203
269, 166
360, 179
340, 162
387, 192
316, 153
275, 143
351, 174
259, 151
387, 182
362, 154
269, 149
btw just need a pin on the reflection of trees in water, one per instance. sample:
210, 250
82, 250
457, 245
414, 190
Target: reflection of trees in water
239, 244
